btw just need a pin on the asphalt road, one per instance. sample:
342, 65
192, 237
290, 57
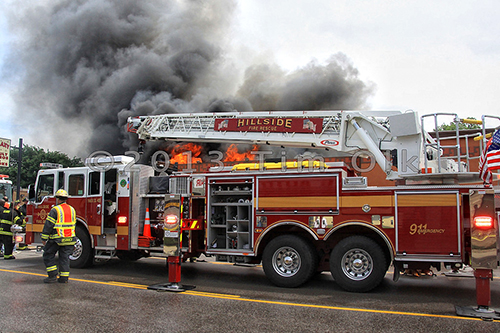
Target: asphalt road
113, 297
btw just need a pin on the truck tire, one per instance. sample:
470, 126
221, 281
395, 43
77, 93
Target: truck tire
358, 264
289, 261
83, 254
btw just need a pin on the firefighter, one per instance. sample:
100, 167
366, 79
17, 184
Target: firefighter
58, 235
7, 219
6, 203
20, 208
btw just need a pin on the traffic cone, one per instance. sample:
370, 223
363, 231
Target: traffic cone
147, 225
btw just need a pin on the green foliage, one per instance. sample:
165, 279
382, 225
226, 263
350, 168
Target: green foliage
31, 159
461, 126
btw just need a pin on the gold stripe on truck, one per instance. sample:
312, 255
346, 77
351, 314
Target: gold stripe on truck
420, 200
297, 202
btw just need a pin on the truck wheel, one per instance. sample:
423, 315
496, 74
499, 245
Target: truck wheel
83, 254
289, 261
358, 264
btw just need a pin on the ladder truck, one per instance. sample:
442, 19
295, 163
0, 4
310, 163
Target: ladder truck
297, 218
299, 223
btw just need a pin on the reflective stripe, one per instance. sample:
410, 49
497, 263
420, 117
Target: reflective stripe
52, 268
63, 273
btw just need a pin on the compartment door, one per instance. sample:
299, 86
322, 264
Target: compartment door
428, 223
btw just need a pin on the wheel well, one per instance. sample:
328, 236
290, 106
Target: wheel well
283, 230
82, 224
324, 247
350, 230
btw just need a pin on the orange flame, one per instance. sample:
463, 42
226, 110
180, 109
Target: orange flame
233, 155
180, 153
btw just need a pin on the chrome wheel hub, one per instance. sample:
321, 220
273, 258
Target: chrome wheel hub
77, 251
286, 261
357, 264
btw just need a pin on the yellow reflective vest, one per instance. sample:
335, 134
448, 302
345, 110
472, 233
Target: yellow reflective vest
60, 225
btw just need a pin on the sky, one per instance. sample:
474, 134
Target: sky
428, 56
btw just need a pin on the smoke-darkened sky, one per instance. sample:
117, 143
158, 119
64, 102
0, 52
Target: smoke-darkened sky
73, 70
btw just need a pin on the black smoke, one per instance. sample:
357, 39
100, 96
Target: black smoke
84, 66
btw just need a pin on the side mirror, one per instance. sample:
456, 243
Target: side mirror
31, 193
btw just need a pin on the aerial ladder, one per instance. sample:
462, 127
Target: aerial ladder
396, 140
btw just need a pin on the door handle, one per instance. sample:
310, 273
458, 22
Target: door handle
98, 209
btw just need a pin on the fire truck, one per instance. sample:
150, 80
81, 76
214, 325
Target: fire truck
296, 217
5, 187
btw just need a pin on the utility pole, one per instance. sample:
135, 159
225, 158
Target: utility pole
19, 164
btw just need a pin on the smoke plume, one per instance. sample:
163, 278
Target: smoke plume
84, 66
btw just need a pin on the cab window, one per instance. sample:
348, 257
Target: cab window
94, 183
61, 180
45, 186
76, 185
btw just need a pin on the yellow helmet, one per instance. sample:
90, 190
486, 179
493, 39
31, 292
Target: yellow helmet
61, 194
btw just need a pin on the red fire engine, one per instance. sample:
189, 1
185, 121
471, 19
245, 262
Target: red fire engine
298, 217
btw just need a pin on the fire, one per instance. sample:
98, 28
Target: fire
233, 155
181, 153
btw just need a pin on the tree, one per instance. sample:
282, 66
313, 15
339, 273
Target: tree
31, 159
461, 126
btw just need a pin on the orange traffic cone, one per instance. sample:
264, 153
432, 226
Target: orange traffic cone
147, 225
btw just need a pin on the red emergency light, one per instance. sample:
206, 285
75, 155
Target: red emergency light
122, 219
171, 220
483, 222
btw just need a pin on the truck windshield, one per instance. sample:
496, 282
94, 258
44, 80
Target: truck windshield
6, 189
45, 186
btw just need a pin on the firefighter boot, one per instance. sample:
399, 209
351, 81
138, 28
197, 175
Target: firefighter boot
62, 280
50, 279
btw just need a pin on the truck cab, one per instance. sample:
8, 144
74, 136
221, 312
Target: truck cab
101, 195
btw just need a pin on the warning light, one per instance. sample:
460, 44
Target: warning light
19, 239
171, 220
122, 219
483, 222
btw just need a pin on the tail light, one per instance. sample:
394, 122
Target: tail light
483, 222
122, 219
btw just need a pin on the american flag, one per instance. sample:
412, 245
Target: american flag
490, 159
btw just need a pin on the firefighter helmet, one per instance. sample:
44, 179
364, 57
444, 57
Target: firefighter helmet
61, 194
